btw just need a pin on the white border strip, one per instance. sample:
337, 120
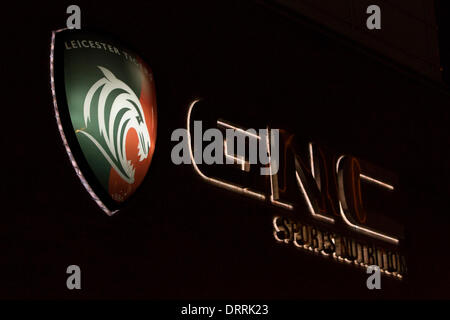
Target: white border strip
63, 136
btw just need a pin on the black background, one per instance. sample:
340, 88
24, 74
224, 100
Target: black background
181, 238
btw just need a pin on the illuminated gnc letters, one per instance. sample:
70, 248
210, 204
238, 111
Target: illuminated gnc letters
350, 200
315, 184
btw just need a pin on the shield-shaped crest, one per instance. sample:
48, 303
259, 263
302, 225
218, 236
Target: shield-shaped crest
105, 107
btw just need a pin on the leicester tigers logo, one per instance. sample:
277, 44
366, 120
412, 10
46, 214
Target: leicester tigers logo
105, 106
117, 109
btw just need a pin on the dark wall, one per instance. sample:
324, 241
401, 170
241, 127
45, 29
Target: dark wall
442, 10
181, 237
408, 34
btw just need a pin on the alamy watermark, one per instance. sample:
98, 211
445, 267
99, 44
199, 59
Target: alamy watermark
374, 280
238, 146
74, 279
